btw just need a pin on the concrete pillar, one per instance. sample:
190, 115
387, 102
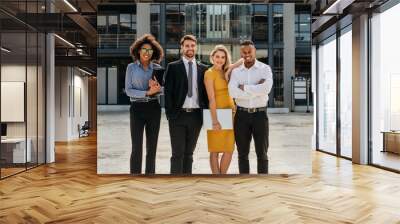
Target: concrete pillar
50, 98
50, 91
314, 93
289, 43
142, 18
360, 90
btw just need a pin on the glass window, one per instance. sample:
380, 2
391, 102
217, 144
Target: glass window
112, 20
346, 93
277, 70
277, 16
101, 24
171, 55
303, 26
262, 55
41, 98
22, 105
175, 22
125, 23
125, 18
211, 22
101, 85
172, 13
174, 33
260, 22
111, 74
155, 12
101, 20
14, 126
116, 28
155, 20
218, 23
224, 22
327, 95
112, 24
112, 85
385, 88
32, 98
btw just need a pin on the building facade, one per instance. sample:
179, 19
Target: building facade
271, 26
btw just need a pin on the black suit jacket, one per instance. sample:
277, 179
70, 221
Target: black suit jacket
176, 88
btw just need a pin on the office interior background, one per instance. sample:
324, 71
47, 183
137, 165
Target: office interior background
48, 83
48, 102
49, 72
357, 82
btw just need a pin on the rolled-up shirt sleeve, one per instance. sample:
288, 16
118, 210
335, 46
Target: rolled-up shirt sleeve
234, 90
129, 88
263, 88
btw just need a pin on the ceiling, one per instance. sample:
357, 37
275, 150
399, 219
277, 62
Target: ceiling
76, 25
72, 20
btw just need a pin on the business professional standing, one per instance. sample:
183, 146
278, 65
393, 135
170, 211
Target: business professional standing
145, 110
250, 85
219, 141
185, 97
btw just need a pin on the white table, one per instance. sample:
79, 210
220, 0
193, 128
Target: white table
18, 149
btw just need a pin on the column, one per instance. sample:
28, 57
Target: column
142, 18
50, 98
289, 41
360, 90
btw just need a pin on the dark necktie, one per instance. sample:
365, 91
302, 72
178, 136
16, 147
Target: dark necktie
190, 78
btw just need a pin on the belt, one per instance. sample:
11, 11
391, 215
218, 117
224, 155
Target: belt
143, 100
252, 110
189, 110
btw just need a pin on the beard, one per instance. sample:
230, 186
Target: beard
189, 54
249, 60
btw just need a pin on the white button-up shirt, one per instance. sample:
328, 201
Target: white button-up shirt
192, 102
253, 95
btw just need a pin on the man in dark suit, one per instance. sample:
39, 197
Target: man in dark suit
185, 97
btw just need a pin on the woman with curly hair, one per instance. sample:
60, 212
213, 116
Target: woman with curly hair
143, 89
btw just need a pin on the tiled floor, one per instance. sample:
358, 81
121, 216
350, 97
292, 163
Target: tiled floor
289, 151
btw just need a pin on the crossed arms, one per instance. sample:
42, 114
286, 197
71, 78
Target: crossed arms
261, 88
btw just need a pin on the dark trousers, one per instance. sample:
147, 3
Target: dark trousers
246, 126
184, 132
144, 116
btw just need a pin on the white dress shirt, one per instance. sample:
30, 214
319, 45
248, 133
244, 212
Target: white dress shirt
253, 95
192, 102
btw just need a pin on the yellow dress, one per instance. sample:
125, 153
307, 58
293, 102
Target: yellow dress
220, 140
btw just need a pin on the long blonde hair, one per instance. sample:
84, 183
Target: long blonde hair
222, 48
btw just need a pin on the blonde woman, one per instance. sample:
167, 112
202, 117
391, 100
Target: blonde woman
216, 81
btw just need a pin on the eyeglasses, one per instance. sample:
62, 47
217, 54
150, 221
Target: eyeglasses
146, 50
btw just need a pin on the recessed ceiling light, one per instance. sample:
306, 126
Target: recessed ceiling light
5, 50
64, 40
70, 5
86, 72
337, 7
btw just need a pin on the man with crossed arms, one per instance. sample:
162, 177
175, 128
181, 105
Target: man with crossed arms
250, 85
